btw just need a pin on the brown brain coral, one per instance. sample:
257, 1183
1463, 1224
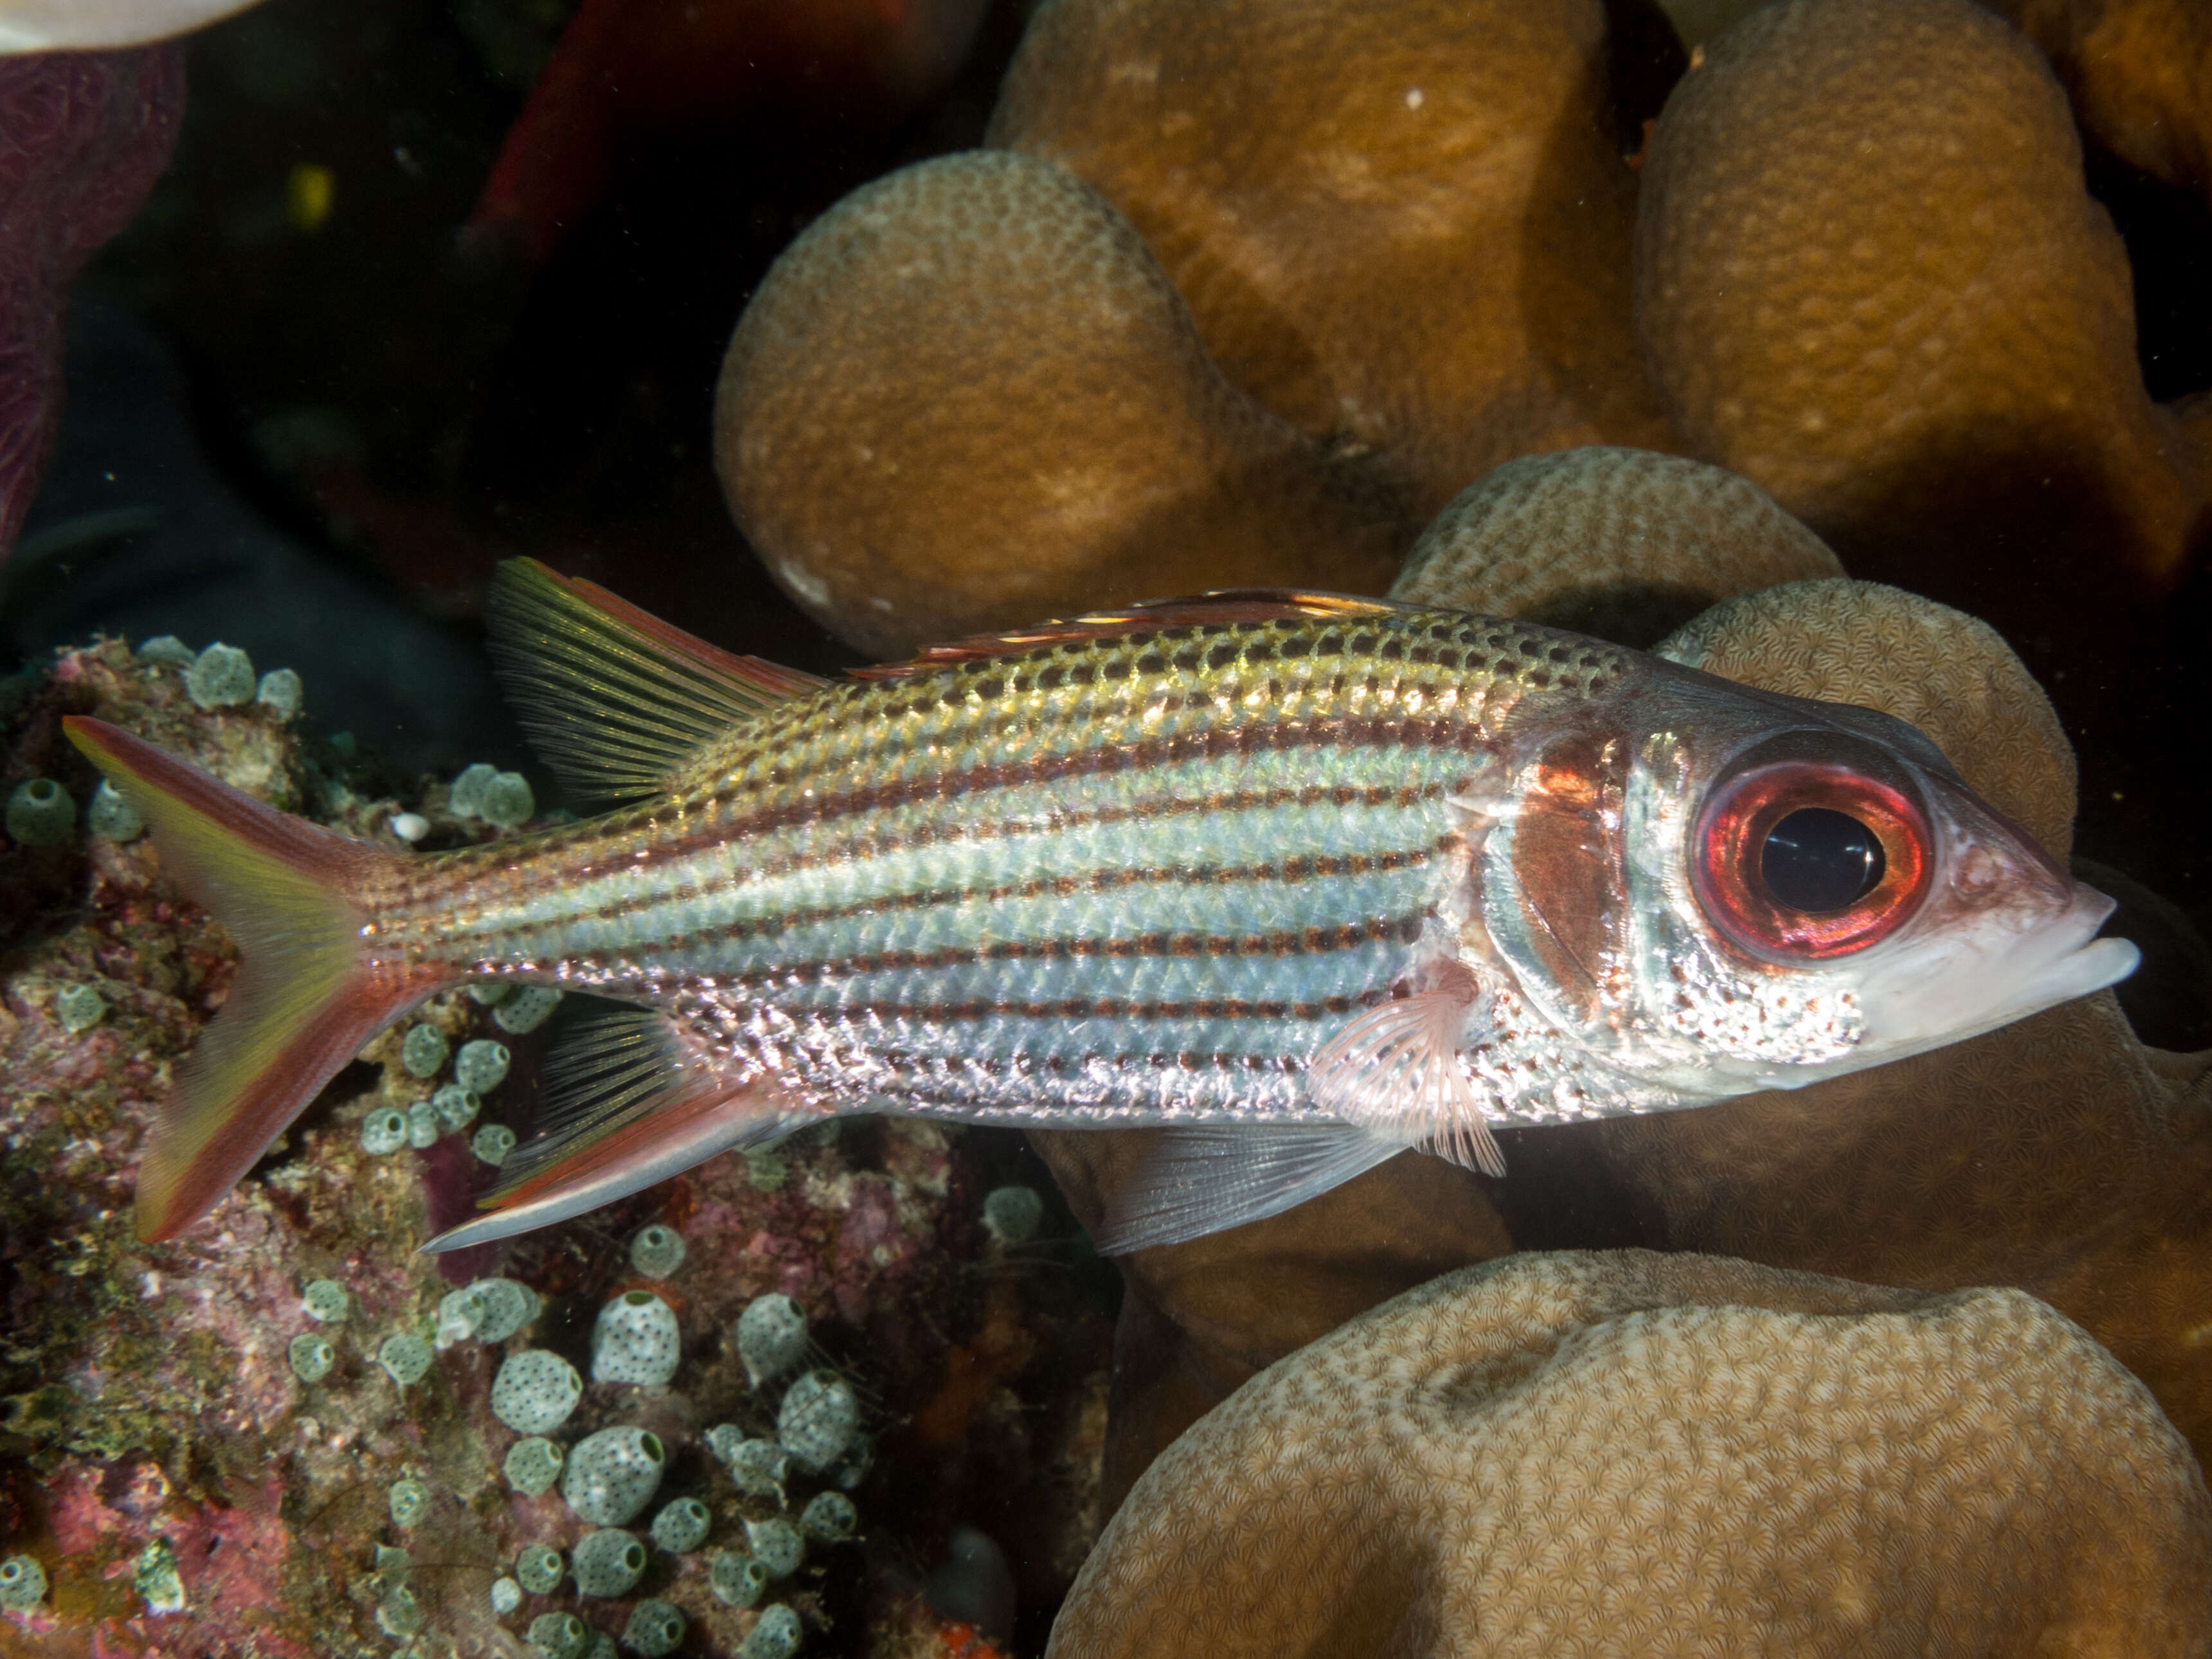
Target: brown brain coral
2140, 75
968, 398
1869, 279
1404, 223
1620, 543
1632, 1453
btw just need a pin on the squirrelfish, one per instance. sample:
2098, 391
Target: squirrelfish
1309, 879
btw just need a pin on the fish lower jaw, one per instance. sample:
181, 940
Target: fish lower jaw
1947, 991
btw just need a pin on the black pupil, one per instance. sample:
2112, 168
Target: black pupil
1816, 860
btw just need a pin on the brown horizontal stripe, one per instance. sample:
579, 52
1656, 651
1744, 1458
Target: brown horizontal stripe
603, 842
1286, 942
1290, 871
1403, 797
918, 1067
1084, 1008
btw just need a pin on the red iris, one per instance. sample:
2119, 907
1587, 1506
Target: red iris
1728, 865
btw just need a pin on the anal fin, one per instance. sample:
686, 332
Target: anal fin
629, 1105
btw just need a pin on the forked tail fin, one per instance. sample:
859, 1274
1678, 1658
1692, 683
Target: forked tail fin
306, 996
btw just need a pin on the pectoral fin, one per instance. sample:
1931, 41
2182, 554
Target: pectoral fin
1397, 1070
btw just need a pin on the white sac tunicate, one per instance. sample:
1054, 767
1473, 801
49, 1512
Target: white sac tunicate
635, 1340
535, 1391
771, 1337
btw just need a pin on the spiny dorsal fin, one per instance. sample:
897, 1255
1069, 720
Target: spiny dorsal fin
1236, 605
617, 702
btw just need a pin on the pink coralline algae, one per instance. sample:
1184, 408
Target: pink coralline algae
86, 134
188, 1493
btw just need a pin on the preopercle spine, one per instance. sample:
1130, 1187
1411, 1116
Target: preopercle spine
1136, 878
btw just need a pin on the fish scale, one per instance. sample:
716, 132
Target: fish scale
1307, 879
1010, 782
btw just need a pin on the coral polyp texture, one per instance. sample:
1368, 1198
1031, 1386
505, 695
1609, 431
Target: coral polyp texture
1620, 543
206, 1450
1924, 348
1720, 1457
931, 327
1405, 225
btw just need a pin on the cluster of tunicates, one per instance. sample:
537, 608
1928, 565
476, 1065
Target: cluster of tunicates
222, 677
22, 1583
399, 1608
79, 1008
40, 814
533, 1465
538, 1569
493, 1143
608, 1562
817, 1437
613, 1474
405, 1357
312, 1355
558, 1636
771, 1337
657, 1251
409, 1500
502, 799
516, 1008
109, 817
655, 1628
1012, 1215
479, 1066
326, 1301
681, 1526
535, 1391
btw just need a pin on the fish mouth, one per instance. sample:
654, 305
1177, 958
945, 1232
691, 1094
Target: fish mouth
1962, 982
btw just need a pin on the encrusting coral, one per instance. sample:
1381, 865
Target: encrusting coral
1680, 1453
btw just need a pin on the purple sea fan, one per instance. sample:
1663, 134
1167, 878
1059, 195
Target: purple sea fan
83, 138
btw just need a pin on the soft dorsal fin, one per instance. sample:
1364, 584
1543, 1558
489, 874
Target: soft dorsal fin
1236, 605
616, 701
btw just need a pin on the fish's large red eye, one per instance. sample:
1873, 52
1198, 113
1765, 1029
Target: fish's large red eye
1801, 859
